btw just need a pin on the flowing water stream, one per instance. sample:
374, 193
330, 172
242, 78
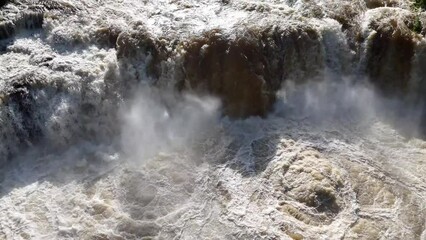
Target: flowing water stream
212, 119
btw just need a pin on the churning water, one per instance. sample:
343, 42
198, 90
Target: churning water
212, 120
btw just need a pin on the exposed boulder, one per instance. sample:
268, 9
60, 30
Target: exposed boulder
247, 69
390, 49
235, 70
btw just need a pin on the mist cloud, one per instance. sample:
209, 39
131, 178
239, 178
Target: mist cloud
162, 122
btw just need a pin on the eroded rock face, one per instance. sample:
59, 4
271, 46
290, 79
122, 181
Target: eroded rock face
68, 67
234, 70
391, 40
246, 68
243, 70
231, 70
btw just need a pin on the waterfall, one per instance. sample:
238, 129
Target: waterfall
212, 119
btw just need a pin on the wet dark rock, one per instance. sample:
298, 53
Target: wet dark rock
3, 2
21, 99
138, 47
233, 70
345, 15
62, 6
245, 72
384, 67
381, 3
107, 36
390, 52
29, 20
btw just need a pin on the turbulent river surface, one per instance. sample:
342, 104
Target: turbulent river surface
212, 119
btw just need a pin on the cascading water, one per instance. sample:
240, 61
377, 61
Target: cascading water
211, 119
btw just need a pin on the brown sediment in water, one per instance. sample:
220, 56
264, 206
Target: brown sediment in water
234, 70
244, 70
277, 177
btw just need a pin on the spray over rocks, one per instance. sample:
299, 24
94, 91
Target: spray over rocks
164, 122
212, 119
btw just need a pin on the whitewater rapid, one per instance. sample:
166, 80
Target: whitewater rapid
251, 179
212, 120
